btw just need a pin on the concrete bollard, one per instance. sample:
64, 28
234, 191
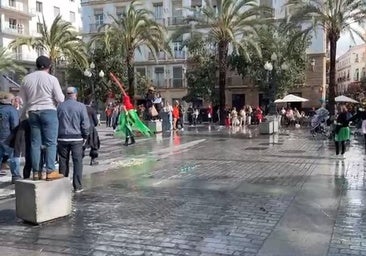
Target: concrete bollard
40, 201
155, 126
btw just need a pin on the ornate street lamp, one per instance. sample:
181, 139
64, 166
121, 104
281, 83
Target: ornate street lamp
90, 73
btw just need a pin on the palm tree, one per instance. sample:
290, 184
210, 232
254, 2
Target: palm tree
134, 29
7, 63
230, 23
334, 17
59, 41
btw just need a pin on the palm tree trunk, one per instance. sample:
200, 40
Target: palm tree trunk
332, 72
223, 51
130, 75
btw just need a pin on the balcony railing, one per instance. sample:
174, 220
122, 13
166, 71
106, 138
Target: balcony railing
18, 7
178, 83
161, 21
180, 55
159, 55
173, 21
95, 28
18, 29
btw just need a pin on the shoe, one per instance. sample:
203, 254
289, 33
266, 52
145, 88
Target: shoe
5, 166
35, 176
14, 179
2, 172
54, 176
79, 190
126, 142
133, 140
94, 162
42, 175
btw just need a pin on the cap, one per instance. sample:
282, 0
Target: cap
71, 90
6, 98
151, 88
43, 62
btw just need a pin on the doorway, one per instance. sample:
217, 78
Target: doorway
238, 101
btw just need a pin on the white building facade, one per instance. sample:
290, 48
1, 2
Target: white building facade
23, 17
351, 67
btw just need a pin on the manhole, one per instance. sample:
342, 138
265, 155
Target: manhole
293, 151
256, 148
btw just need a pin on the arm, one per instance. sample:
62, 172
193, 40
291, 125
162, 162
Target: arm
57, 92
13, 119
84, 122
95, 118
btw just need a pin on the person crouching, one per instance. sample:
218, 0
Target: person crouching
73, 130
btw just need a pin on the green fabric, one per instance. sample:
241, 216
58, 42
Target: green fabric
343, 134
132, 122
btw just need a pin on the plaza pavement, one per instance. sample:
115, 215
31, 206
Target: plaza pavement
207, 191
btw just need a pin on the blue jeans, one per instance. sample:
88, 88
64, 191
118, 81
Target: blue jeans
14, 162
44, 132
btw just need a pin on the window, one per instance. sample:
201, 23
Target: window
39, 6
177, 77
159, 77
72, 17
99, 17
141, 71
158, 11
12, 23
39, 51
12, 3
56, 11
356, 59
357, 74
39, 27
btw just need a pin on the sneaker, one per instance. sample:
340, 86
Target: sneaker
79, 190
42, 175
35, 176
14, 179
54, 176
2, 172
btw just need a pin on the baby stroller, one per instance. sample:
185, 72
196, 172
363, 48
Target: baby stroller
319, 123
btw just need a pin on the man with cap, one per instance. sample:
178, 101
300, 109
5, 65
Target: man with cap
41, 92
9, 120
73, 130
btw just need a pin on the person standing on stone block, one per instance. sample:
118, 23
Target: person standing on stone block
9, 120
73, 130
41, 92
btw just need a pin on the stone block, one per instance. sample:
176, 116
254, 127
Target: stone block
40, 201
155, 126
266, 127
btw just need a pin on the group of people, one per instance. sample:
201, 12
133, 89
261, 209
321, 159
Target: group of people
247, 115
50, 126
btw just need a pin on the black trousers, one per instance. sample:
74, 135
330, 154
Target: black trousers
343, 145
64, 149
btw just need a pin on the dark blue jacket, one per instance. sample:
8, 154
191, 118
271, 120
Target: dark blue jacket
73, 121
9, 120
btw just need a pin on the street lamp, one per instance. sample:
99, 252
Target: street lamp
271, 68
90, 73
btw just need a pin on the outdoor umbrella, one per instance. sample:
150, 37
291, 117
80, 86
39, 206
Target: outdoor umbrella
343, 98
278, 101
293, 98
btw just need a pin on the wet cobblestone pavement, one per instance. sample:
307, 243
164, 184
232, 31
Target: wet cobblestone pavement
209, 194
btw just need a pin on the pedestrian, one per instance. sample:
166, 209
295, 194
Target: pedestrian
9, 120
342, 131
73, 130
41, 92
175, 114
93, 141
108, 113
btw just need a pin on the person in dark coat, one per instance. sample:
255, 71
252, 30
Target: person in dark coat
92, 141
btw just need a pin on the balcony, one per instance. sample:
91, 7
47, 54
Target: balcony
161, 21
175, 21
17, 8
178, 83
95, 28
159, 56
180, 55
18, 29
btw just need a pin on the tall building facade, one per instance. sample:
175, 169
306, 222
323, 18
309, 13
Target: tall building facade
351, 67
23, 18
167, 73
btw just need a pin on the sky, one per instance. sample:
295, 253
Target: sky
344, 42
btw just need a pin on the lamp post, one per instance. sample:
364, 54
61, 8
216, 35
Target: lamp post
90, 73
272, 69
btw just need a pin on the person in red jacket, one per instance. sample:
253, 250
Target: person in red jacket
175, 115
